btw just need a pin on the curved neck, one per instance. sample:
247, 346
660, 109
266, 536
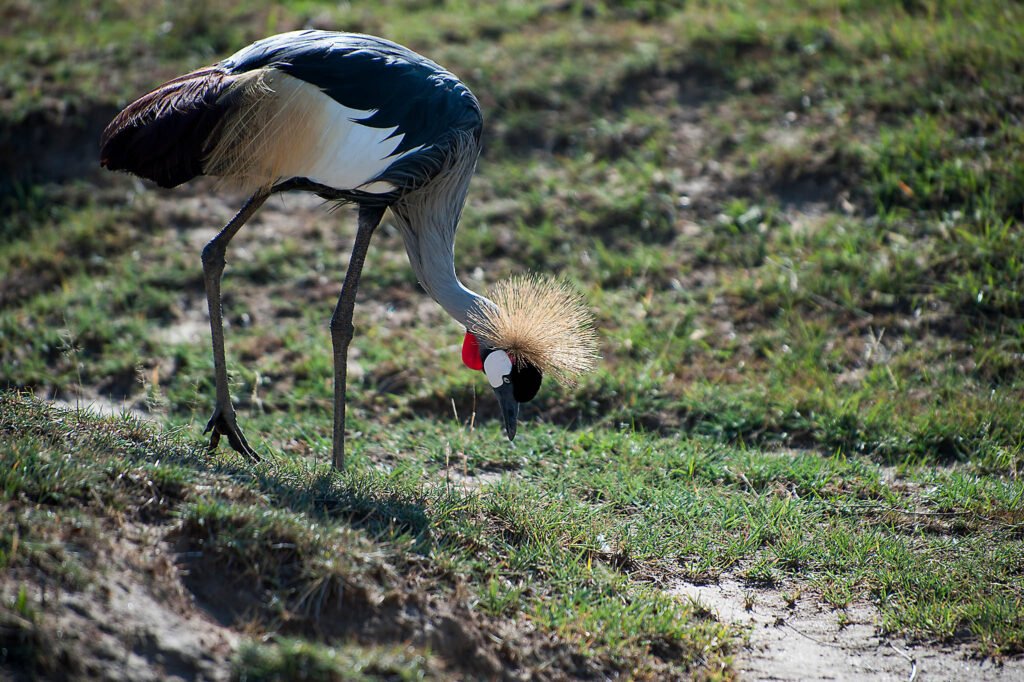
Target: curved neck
428, 218
432, 259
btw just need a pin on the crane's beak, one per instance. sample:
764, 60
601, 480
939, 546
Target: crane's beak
509, 409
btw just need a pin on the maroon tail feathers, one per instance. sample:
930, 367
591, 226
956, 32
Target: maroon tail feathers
164, 135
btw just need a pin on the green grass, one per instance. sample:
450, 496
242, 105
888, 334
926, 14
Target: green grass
799, 228
295, 659
293, 549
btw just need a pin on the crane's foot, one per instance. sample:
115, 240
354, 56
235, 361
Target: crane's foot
223, 423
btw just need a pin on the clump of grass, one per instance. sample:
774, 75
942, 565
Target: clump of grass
286, 659
301, 572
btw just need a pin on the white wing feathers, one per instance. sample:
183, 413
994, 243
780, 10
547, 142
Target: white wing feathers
284, 127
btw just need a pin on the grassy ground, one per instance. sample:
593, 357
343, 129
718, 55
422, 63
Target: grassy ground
799, 226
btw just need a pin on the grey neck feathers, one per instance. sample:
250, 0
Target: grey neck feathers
428, 218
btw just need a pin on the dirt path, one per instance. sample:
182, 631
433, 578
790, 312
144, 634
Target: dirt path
805, 642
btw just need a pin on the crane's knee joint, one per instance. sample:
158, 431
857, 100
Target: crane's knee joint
213, 255
338, 326
341, 329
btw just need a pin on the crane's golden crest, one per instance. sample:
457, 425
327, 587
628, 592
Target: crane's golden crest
543, 321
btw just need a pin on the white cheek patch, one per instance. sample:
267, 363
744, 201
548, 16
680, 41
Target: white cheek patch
497, 366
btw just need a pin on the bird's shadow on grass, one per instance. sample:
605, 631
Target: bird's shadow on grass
365, 500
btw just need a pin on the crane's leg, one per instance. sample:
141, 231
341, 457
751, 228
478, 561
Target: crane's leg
223, 421
341, 324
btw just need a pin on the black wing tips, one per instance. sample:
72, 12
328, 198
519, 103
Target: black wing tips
165, 134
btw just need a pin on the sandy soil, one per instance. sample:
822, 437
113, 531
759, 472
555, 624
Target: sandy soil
806, 642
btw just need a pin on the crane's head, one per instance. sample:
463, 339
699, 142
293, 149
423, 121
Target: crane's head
536, 326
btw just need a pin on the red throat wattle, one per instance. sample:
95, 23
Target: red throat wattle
471, 353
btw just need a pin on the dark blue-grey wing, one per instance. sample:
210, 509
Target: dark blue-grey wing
425, 104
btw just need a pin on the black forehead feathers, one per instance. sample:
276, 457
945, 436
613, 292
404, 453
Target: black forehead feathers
525, 380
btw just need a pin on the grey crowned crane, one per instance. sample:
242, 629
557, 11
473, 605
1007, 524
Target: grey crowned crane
361, 120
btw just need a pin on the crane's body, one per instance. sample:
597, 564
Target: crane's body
352, 118
358, 114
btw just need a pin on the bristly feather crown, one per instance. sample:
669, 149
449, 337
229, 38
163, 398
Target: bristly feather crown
540, 320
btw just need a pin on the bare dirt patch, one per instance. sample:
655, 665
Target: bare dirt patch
120, 620
809, 640
130, 619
